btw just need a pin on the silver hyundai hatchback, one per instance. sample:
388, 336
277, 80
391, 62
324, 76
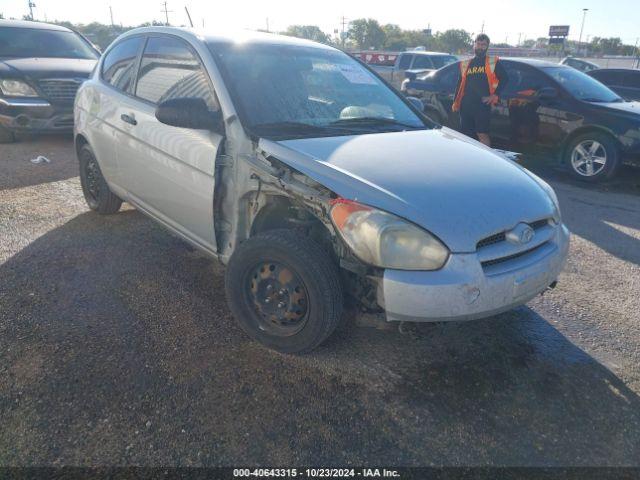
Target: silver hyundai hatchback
311, 180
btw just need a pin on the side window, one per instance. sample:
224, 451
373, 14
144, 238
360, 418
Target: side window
405, 62
119, 64
169, 70
610, 78
449, 77
524, 81
632, 79
422, 61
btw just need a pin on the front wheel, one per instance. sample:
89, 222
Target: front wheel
284, 290
593, 157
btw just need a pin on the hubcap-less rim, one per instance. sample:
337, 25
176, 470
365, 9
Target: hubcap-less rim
279, 298
588, 158
92, 174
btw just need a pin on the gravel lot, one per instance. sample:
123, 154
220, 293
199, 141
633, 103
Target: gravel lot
117, 348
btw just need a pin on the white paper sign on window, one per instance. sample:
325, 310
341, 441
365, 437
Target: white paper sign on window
355, 74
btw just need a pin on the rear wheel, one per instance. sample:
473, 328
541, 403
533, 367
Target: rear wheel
284, 290
6, 136
94, 187
593, 157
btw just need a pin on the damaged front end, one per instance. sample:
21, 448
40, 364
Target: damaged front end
259, 192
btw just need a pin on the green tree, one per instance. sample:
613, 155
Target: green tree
310, 32
367, 33
454, 41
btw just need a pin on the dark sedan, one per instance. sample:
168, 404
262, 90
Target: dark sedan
549, 108
624, 81
41, 68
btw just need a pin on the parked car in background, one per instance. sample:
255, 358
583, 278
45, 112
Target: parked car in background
549, 108
624, 81
41, 68
303, 172
579, 64
416, 62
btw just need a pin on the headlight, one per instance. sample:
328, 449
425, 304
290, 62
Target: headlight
557, 216
17, 88
384, 240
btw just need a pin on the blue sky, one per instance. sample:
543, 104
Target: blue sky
503, 19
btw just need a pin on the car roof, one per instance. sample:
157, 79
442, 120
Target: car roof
229, 36
29, 24
534, 62
621, 70
422, 52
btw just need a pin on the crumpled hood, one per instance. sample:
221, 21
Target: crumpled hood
48, 67
439, 179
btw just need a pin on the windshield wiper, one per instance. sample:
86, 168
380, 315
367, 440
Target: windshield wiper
374, 121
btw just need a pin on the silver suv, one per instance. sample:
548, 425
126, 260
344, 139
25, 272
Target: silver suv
311, 180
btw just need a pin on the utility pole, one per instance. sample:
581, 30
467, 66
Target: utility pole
344, 22
519, 39
267, 24
111, 15
584, 14
31, 7
482, 27
637, 53
166, 13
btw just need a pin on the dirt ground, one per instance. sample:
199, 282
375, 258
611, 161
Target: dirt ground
117, 348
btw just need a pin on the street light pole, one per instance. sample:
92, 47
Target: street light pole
584, 14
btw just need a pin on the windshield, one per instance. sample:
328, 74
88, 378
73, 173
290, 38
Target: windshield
297, 91
581, 85
440, 61
36, 42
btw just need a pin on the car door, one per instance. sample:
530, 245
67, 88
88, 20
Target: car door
170, 170
117, 78
446, 82
523, 120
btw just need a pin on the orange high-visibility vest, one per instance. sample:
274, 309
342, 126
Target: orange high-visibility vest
490, 71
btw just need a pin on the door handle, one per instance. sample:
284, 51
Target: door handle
128, 119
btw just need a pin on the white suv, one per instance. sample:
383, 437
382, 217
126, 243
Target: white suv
311, 179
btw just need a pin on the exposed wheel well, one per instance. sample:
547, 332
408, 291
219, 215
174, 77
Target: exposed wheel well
281, 212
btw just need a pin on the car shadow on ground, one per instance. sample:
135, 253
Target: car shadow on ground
18, 171
116, 347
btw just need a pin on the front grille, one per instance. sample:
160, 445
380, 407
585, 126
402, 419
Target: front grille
502, 236
488, 263
60, 90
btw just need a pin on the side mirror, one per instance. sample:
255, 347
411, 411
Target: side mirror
547, 93
189, 112
416, 102
410, 75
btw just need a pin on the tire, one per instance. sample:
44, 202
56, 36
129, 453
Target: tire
94, 187
6, 136
593, 157
277, 261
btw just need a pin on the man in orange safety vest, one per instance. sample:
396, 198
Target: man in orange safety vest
482, 79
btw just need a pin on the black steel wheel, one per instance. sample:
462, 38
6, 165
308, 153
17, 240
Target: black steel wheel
94, 187
284, 290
